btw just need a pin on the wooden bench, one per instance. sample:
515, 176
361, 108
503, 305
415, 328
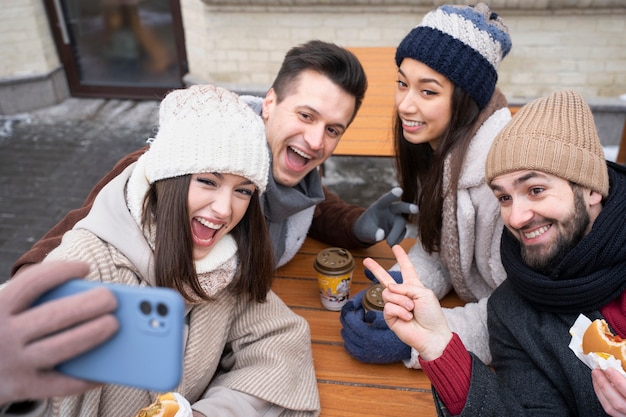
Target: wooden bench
370, 134
349, 388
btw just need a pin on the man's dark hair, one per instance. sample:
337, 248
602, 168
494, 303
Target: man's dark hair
338, 64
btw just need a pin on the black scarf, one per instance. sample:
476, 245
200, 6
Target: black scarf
592, 274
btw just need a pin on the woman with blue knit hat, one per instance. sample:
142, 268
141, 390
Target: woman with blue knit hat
563, 249
187, 216
449, 111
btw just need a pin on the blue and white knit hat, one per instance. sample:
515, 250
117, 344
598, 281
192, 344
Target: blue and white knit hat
463, 43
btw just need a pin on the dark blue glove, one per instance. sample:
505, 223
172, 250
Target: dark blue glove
366, 336
396, 275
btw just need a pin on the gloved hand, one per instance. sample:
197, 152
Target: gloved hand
396, 275
366, 336
384, 218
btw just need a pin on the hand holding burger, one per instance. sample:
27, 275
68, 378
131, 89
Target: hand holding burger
596, 346
598, 338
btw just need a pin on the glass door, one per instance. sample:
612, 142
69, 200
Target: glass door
120, 48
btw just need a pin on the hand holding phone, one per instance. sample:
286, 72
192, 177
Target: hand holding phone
35, 341
147, 350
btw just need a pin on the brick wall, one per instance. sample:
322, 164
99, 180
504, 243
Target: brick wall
583, 52
578, 44
26, 45
556, 43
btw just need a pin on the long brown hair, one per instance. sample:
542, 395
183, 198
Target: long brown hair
420, 168
165, 209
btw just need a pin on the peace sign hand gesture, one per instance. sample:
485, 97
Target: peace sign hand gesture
412, 311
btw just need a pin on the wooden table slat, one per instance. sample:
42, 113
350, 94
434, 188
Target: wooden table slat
333, 363
303, 268
357, 401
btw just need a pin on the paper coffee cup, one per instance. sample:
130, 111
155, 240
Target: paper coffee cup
373, 298
334, 268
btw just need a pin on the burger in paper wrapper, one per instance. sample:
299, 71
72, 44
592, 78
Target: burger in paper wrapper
171, 404
595, 345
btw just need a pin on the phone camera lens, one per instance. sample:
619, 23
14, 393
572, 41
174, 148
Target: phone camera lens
162, 309
145, 307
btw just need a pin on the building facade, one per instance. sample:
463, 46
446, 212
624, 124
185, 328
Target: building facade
239, 44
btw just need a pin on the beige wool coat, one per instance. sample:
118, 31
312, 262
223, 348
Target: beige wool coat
233, 346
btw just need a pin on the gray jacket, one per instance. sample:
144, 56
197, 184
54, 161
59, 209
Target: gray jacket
538, 375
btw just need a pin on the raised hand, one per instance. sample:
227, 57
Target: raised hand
35, 340
411, 310
610, 387
384, 219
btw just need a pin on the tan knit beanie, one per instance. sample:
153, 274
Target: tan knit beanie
556, 135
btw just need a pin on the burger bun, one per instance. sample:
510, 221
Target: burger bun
599, 339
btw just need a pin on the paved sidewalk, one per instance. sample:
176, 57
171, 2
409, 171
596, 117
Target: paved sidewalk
50, 159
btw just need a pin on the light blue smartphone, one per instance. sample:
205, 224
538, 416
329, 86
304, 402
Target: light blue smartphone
147, 350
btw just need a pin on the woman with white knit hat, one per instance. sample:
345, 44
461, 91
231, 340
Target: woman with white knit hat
448, 114
187, 216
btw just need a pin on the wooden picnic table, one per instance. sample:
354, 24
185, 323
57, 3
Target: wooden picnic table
348, 387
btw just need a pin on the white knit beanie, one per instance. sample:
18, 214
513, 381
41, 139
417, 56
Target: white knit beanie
205, 128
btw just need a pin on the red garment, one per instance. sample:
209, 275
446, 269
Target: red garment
451, 374
615, 314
